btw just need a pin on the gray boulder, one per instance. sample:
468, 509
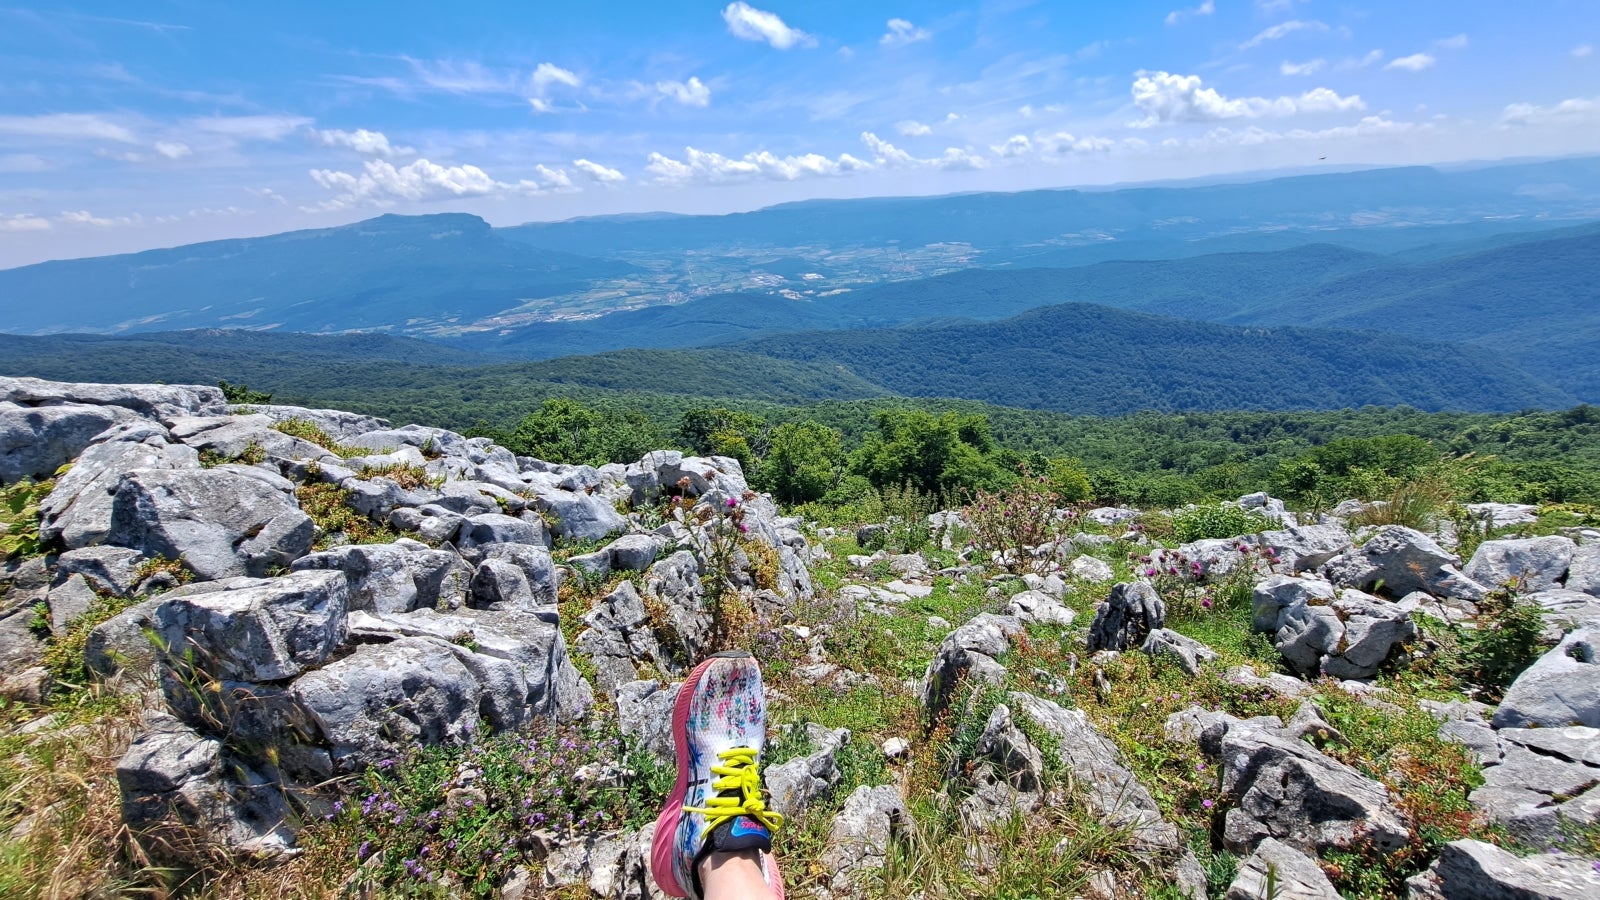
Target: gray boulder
1541, 782
122, 642
644, 712
1089, 568
970, 650
112, 570
219, 523
674, 582
1009, 772
1474, 870
335, 423
797, 783
1188, 652
1562, 688
580, 517
1037, 607
379, 576
1531, 564
182, 791
35, 441
78, 510
384, 699
859, 841
536, 565
1127, 616
1349, 638
1289, 791
1398, 560
500, 584
534, 643
619, 639
1584, 573
1279, 592
485, 530
1290, 875
230, 437
152, 401
69, 600
1501, 515
633, 552
268, 630
1305, 547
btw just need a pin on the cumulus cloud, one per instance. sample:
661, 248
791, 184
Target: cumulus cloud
1204, 9
902, 32
913, 128
1416, 62
1567, 112
751, 24
367, 143
1309, 67
690, 93
598, 173
705, 166
1582, 50
1165, 97
1369, 126
554, 179
173, 149
1372, 58
23, 222
381, 183
67, 126
888, 155
1282, 30
250, 128
1015, 146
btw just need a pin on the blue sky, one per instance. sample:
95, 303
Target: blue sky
131, 125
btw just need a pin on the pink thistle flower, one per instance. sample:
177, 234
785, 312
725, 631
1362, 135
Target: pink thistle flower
1207, 803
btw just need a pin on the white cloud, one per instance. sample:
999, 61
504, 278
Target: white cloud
1165, 97
173, 149
266, 193
1369, 126
1283, 29
84, 217
1372, 58
690, 93
540, 105
1416, 62
547, 74
1454, 42
1206, 8
1574, 110
380, 183
23, 222
1582, 50
367, 143
913, 128
465, 77
67, 126
1065, 142
1310, 67
554, 179
902, 32
250, 128
705, 166
1268, 7
890, 156
597, 172
751, 24
1016, 145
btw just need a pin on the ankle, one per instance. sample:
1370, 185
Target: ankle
717, 862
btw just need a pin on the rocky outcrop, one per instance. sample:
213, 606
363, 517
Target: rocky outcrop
1397, 561
1474, 870
1127, 617
1277, 871
1562, 688
859, 841
1527, 564
219, 523
971, 651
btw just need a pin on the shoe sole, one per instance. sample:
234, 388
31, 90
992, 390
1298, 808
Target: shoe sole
664, 842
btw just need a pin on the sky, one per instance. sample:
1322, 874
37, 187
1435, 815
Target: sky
132, 125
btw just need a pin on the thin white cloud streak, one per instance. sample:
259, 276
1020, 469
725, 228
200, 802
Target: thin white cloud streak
1454, 42
748, 23
249, 128
1282, 30
1165, 97
1204, 9
173, 149
913, 128
67, 127
1372, 58
363, 141
84, 217
902, 32
1309, 67
1577, 110
19, 222
1582, 50
547, 74
1416, 62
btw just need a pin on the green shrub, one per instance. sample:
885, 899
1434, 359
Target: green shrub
19, 517
1221, 521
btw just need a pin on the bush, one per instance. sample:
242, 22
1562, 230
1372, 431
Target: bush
1505, 642
1014, 519
1221, 521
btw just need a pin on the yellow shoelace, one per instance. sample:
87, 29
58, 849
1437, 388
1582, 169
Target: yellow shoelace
738, 774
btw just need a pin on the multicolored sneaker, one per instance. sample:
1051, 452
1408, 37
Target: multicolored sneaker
719, 727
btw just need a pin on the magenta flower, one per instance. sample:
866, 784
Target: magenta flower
732, 502
1207, 803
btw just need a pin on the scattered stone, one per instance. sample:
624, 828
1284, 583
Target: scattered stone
1127, 616
1277, 871
1401, 560
111, 570
1502, 515
1036, 607
1584, 573
1110, 515
1305, 547
644, 712
972, 650
219, 523
896, 747
69, 600
1008, 771
1529, 564
795, 784
1189, 652
1349, 637
861, 834
1279, 592
1474, 870
1089, 568
1562, 688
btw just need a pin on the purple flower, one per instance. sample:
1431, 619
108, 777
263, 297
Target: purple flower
732, 502
1150, 573
364, 851
1207, 803
1205, 602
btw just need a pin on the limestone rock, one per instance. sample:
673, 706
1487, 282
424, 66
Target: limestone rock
797, 783
1401, 560
579, 516
1584, 573
1349, 638
1542, 782
644, 712
1531, 564
1127, 616
35, 441
1501, 515
379, 576
1291, 874
1474, 870
1305, 547
859, 840
971, 649
619, 638
1279, 592
265, 630
1562, 688
78, 509
1036, 607
1188, 652
113, 570
1089, 568
219, 523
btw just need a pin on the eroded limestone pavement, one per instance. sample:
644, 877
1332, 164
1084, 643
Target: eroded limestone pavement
336, 660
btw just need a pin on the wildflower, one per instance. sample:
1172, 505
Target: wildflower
1205, 602
1150, 572
1199, 767
364, 851
732, 502
1207, 803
